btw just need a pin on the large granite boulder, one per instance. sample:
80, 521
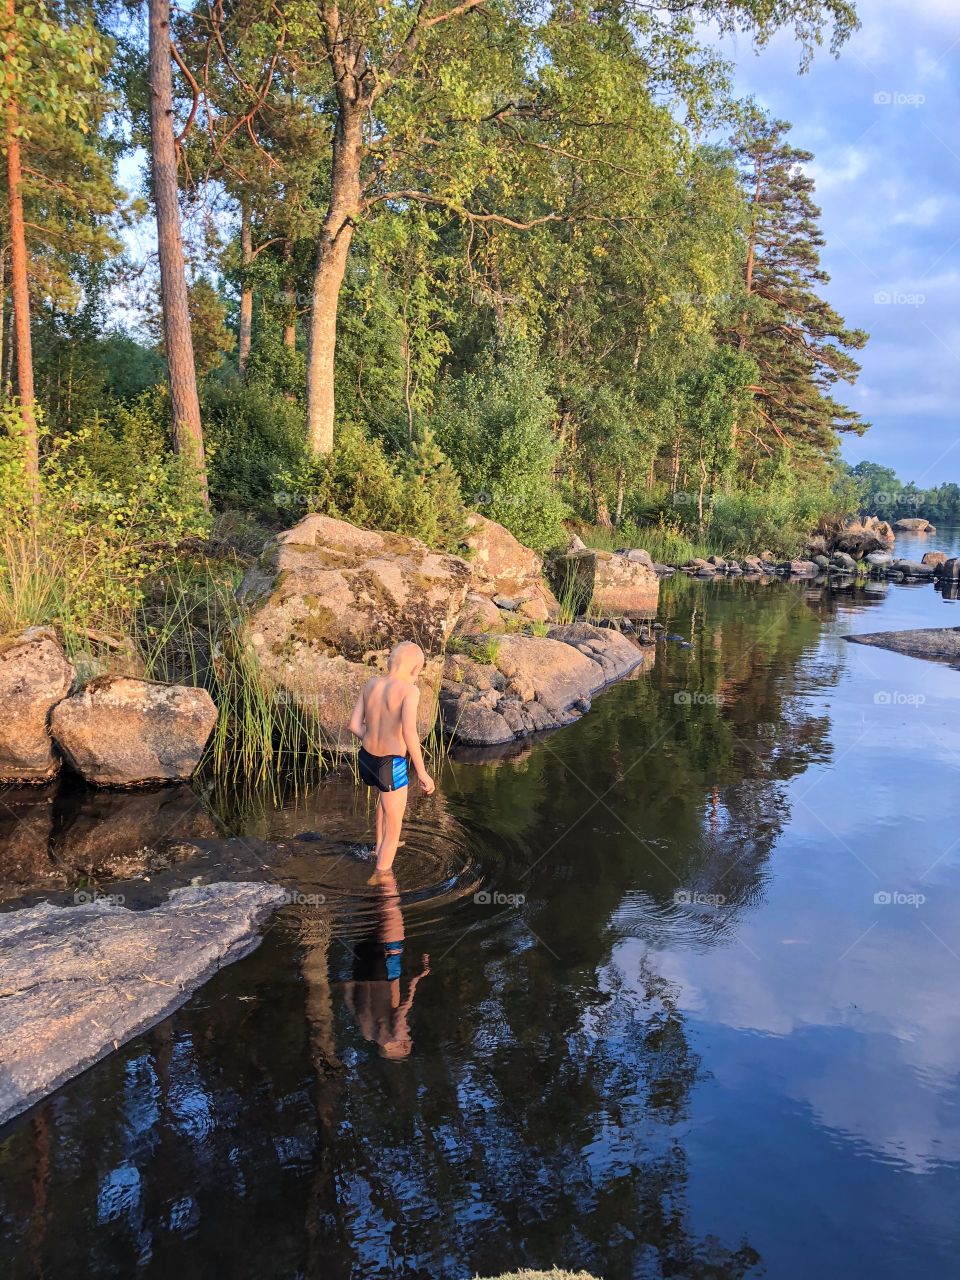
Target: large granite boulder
950, 569
914, 524
35, 675
516, 685
327, 601
934, 558
500, 565
606, 583
80, 981
122, 732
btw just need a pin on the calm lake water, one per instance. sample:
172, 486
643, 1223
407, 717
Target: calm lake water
690, 1007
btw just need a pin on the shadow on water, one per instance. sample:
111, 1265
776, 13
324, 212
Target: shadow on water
490, 1063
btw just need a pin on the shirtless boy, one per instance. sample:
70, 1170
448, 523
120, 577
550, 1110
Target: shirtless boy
385, 721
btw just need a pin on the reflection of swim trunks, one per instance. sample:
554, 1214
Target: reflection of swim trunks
375, 961
386, 773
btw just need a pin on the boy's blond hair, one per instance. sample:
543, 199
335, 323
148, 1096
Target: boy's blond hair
404, 652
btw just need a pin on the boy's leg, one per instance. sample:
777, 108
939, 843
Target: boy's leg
379, 820
393, 804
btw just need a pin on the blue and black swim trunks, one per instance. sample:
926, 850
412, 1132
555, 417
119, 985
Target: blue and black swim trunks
386, 773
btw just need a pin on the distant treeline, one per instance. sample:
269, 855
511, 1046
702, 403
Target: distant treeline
881, 492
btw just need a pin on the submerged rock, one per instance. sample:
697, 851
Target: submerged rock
912, 568
122, 732
938, 644
77, 982
35, 675
533, 682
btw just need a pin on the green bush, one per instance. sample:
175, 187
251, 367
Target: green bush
102, 524
254, 434
417, 494
495, 425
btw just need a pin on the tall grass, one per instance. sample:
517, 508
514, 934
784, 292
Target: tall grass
666, 542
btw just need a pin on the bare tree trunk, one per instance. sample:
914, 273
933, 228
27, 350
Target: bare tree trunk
621, 493
290, 300
178, 339
332, 249
20, 294
246, 292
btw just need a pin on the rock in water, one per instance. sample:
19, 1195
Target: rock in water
914, 524
121, 732
533, 682
79, 981
34, 676
327, 600
938, 644
608, 583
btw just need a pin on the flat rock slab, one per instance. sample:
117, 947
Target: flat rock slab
938, 644
77, 982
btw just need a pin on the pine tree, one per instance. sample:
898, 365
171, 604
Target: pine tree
799, 343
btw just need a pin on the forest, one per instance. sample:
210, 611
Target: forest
400, 263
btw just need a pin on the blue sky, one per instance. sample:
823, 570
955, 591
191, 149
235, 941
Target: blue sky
882, 123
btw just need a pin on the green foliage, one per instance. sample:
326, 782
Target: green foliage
254, 433
484, 651
417, 494
880, 491
106, 520
496, 425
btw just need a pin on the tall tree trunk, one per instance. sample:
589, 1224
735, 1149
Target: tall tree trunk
621, 494
246, 292
20, 293
332, 249
289, 299
178, 339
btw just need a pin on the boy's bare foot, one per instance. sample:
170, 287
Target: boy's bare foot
381, 877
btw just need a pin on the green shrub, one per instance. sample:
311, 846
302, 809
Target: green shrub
496, 426
254, 434
417, 494
78, 559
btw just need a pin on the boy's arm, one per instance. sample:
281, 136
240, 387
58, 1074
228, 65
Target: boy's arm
411, 739
358, 725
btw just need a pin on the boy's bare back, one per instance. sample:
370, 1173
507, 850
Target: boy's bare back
384, 700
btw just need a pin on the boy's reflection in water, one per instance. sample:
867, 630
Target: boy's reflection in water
373, 996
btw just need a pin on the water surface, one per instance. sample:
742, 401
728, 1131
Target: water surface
684, 998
